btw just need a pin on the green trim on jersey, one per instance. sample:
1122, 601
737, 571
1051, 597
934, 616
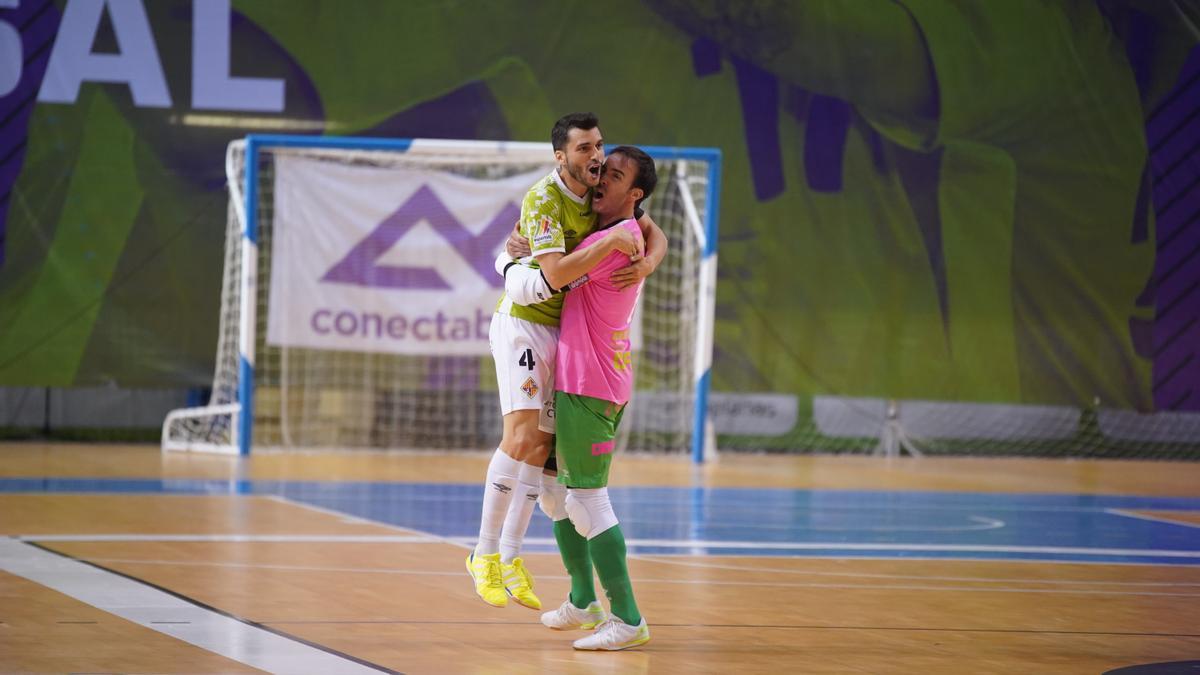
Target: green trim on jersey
552, 219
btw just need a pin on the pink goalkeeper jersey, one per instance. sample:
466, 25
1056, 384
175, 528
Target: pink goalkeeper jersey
594, 357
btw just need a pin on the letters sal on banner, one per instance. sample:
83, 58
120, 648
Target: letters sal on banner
392, 260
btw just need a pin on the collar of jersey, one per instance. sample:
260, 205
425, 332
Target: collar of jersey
614, 223
582, 201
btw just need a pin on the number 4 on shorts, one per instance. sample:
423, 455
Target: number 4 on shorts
527, 359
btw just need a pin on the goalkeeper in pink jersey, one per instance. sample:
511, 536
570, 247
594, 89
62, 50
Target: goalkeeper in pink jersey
594, 378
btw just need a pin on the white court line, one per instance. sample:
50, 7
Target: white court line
660, 543
841, 546
245, 538
652, 580
922, 577
358, 519
981, 523
289, 568
1033, 562
1153, 519
342, 517
145, 605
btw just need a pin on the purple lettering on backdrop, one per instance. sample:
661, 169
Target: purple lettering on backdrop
439, 327
316, 317
706, 57
372, 323
417, 329
825, 142
37, 23
826, 132
351, 329
483, 323
759, 94
1173, 134
360, 268
827, 121
396, 326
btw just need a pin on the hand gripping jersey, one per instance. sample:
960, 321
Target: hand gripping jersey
594, 353
553, 219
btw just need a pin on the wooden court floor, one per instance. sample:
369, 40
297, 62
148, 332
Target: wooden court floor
117, 576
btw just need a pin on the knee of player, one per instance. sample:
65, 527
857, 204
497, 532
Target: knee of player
553, 500
541, 450
590, 511
529, 445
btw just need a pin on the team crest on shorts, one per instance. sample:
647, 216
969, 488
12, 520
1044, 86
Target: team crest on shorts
530, 387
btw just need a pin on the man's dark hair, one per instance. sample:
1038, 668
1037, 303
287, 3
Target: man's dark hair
647, 175
564, 125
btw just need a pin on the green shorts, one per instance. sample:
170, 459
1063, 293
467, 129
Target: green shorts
584, 442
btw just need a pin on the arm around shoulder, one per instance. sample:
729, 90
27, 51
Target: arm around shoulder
656, 240
561, 270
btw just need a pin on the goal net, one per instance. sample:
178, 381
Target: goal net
892, 427
358, 289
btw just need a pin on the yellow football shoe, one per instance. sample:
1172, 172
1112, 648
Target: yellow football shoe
489, 584
519, 584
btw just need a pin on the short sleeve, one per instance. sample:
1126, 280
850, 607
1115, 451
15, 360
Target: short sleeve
541, 222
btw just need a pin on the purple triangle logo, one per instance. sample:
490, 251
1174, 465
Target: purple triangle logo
361, 267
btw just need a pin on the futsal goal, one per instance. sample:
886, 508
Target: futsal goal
358, 286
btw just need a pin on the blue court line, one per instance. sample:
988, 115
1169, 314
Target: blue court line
759, 522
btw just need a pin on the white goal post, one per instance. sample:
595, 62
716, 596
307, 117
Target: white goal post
355, 297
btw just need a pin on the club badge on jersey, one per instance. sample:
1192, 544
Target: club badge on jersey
530, 387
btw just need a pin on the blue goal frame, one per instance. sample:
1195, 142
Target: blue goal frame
247, 334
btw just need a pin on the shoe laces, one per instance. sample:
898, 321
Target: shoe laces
493, 574
519, 566
572, 614
607, 630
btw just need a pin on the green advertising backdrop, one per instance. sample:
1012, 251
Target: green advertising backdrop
931, 200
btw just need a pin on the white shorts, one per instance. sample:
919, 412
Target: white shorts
525, 354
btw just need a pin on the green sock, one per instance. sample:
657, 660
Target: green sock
573, 548
608, 554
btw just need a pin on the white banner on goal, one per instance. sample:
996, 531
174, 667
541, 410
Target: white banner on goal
395, 260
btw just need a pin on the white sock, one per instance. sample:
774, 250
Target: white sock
520, 512
497, 495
